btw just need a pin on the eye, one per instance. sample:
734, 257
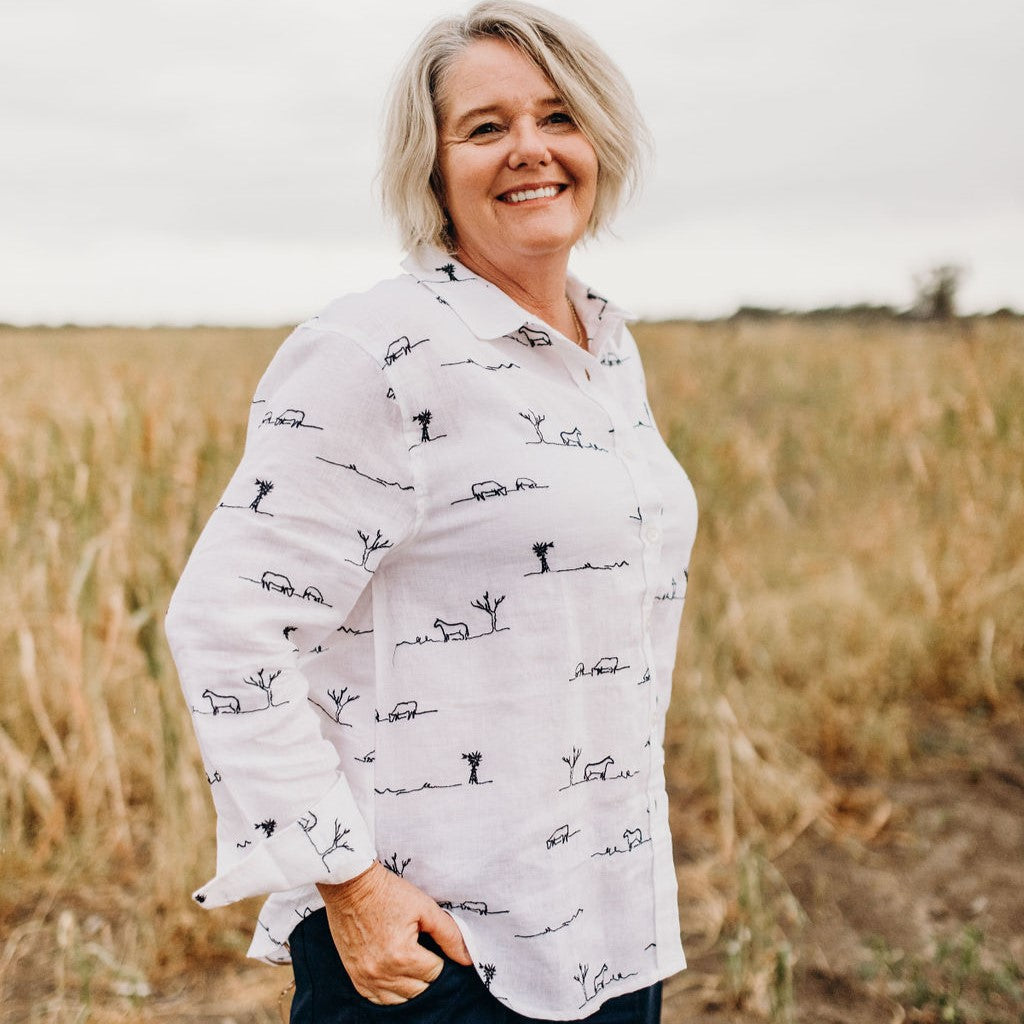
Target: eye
560, 118
487, 128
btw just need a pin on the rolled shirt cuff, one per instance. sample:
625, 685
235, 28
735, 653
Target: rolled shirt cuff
327, 843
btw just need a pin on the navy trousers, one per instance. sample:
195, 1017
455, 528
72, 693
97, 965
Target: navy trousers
325, 995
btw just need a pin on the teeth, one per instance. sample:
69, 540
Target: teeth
532, 193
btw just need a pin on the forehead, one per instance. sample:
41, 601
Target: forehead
491, 73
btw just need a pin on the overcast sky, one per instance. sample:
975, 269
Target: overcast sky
212, 160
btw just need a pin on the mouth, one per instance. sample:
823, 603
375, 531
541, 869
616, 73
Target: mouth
525, 195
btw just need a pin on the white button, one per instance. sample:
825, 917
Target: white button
650, 534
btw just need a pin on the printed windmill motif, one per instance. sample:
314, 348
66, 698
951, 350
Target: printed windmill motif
542, 547
263, 488
423, 419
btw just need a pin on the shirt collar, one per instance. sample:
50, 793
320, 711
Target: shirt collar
483, 307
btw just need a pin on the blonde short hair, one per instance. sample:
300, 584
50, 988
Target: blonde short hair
594, 90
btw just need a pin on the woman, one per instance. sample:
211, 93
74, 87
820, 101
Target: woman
427, 637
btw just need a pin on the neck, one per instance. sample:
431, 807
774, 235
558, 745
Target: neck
538, 285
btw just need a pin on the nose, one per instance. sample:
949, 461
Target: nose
529, 145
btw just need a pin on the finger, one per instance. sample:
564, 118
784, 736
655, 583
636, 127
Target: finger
445, 932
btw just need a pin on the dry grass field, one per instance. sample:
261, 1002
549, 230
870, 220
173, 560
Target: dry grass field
846, 742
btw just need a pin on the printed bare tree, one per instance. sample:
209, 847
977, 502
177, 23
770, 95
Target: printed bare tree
489, 972
309, 822
379, 543
571, 760
392, 864
540, 549
341, 699
584, 970
485, 604
474, 760
536, 420
264, 487
423, 419
264, 684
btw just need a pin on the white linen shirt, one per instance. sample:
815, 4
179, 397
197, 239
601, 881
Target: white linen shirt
433, 621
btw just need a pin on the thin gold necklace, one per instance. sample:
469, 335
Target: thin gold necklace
581, 338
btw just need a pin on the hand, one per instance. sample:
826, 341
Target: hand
376, 919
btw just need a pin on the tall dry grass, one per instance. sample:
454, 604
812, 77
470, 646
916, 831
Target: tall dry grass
860, 559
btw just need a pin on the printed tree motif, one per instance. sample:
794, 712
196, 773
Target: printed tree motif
540, 549
486, 605
423, 419
264, 684
449, 269
378, 543
474, 760
264, 487
341, 699
584, 970
571, 762
489, 972
392, 865
307, 824
267, 827
536, 420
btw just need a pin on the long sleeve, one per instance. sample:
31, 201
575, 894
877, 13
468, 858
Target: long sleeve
324, 491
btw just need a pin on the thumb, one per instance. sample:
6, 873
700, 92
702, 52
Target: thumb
445, 932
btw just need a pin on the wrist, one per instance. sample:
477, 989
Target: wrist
333, 893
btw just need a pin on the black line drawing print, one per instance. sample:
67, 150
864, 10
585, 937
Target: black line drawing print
229, 704
261, 683
366, 476
242, 846
639, 517
460, 630
390, 393
289, 418
341, 700
549, 929
609, 359
602, 667
594, 297
596, 771
443, 301
221, 704
470, 361
474, 758
403, 791
541, 548
281, 584
368, 758
646, 419
485, 604
263, 488
288, 630
352, 631
650, 945
215, 777
634, 838
599, 982
489, 970
449, 270
379, 543
423, 419
403, 711
267, 827
401, 347
567, 438
392, 865
672, 594
308, 823
484, 489
646, 679
561, 835
474, 906
529, 337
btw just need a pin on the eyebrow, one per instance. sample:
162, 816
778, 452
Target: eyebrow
472, 115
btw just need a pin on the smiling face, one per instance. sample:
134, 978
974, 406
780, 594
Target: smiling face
519, 176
